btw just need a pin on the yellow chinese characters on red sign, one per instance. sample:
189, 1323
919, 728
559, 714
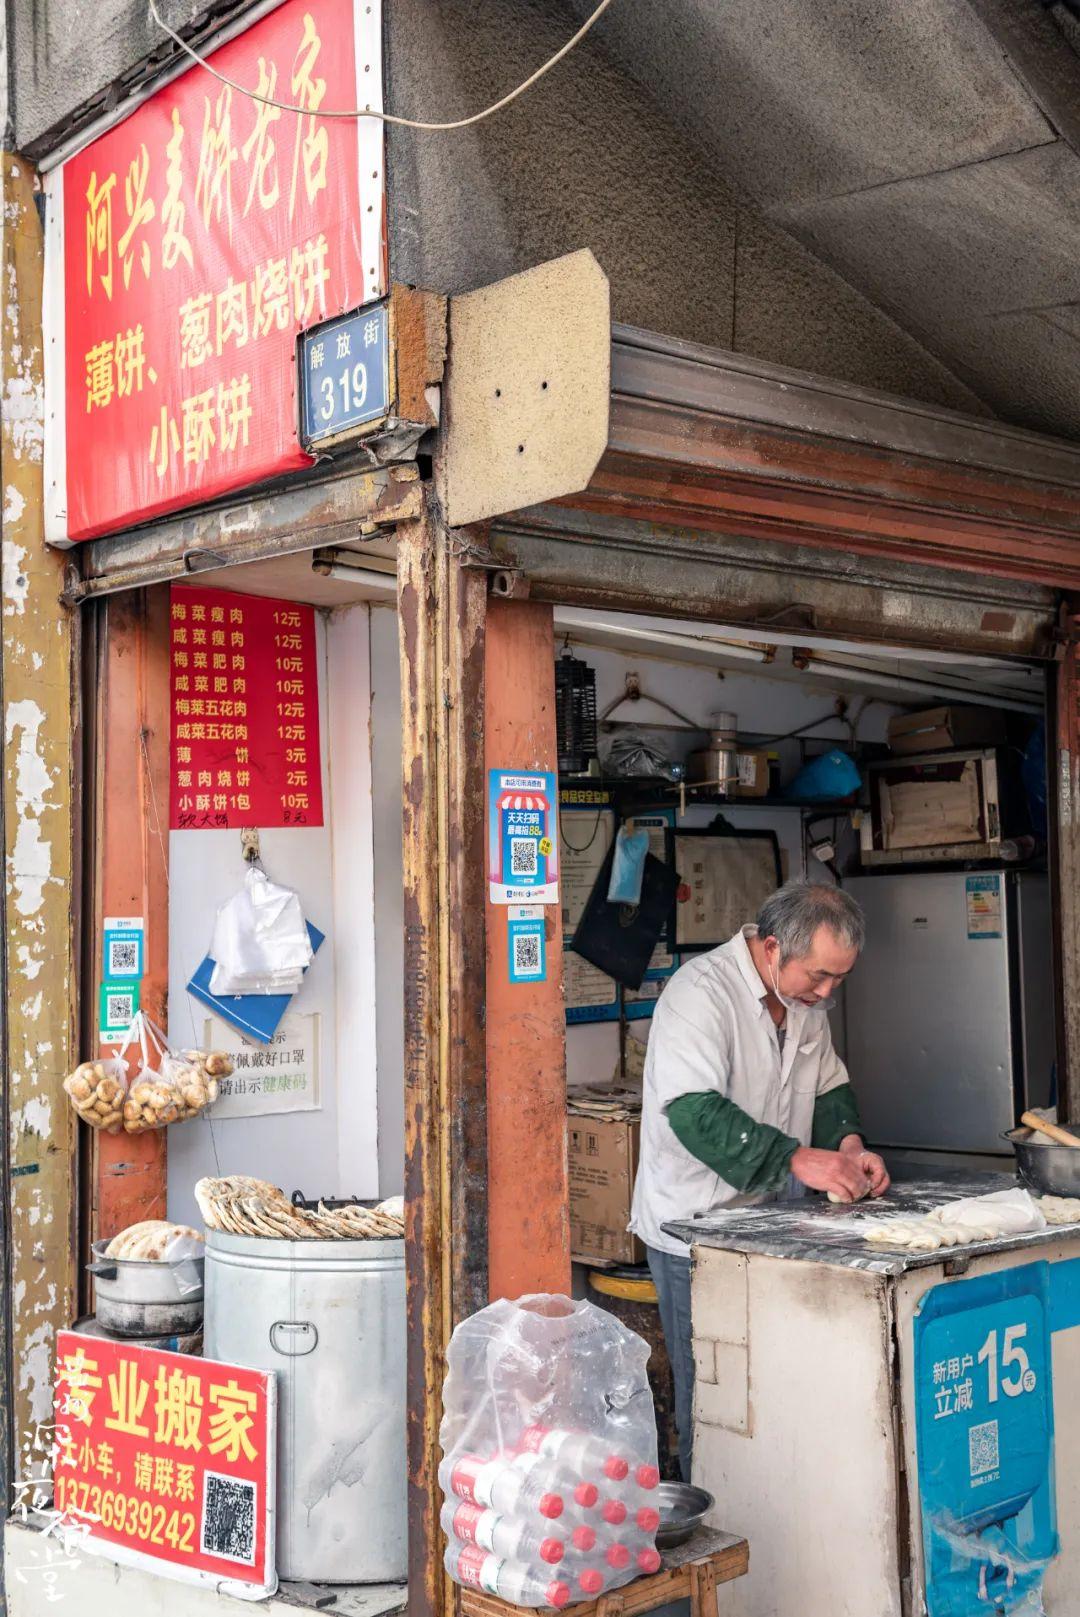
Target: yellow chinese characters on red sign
167, 1457
200, 235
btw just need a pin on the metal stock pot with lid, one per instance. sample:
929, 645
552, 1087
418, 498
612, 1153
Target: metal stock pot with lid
144, 1297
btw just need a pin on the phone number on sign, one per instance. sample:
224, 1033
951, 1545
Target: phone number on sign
121, 1513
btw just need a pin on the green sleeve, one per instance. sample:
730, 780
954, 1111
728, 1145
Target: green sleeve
835, 1117
751, 1156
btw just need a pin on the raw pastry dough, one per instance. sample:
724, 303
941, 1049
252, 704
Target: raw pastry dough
974, 1219
1060, 1209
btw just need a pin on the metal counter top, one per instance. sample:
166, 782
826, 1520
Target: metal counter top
812, 1230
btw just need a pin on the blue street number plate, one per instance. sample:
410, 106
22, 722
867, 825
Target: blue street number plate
344, 374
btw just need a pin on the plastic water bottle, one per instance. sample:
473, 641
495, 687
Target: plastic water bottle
624, 1510
511, 1538
508, 1487
577, 1451
584, 1495
476, 1568
590, 1580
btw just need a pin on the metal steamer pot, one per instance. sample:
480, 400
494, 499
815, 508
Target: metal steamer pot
137, 1297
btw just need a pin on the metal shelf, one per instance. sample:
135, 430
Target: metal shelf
665, 794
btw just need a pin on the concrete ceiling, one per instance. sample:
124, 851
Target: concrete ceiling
928, 150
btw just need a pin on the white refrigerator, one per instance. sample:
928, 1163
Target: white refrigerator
949, 1014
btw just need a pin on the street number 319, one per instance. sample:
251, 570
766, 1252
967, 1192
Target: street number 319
353, 385
1013, 1359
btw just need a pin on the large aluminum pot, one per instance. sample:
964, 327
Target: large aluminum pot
329, 1317
137, 1297
1044, 1167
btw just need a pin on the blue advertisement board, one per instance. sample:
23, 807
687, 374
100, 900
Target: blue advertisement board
523, 841
985, 1437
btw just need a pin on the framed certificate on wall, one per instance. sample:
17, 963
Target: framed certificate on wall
724, 878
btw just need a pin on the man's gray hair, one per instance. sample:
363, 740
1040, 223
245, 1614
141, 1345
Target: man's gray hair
793, 914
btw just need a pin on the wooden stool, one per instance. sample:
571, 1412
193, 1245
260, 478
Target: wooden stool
692, 1570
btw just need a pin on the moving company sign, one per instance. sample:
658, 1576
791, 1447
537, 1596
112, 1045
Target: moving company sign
187, 247
166, 1461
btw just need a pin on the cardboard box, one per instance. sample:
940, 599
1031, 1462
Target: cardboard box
603, 1165
948, 800
753, 772
946, 729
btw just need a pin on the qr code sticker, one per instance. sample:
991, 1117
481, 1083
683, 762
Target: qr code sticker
228, 1518
527, 961
523, 856
983, 1450
119, 1009
123, 957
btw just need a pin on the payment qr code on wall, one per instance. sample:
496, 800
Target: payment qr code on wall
527, 954
119, 1008
228, 1519
523, 856
123, 957
983, 1448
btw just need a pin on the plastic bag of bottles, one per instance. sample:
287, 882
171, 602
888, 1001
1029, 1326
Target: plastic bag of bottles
549, 1467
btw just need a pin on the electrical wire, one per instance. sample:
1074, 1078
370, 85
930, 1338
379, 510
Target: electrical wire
789, 735
369, 112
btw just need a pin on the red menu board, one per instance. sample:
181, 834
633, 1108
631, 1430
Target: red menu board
245, 712
198, 237
166, 1459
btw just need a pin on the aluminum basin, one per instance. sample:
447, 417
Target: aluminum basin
1046, 1168
682, 1508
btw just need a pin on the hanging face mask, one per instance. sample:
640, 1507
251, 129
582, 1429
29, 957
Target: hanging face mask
796, 1004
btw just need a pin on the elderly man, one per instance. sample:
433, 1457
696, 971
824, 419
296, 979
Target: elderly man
744, 1093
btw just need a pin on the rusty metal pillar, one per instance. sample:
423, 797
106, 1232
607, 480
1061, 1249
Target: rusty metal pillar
130, 870
529, 1232
1063, 764
442, 604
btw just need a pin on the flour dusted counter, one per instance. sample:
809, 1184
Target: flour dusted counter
893, 1432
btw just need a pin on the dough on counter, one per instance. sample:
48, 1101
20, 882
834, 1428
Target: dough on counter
973, 1219
842, 1201
1060, 1209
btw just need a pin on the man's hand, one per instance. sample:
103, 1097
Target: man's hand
837, 1171
869, 1162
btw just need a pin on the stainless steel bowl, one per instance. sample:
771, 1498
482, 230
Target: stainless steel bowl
682, 1507
1045, 1168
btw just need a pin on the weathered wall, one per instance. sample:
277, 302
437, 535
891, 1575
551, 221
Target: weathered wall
586, 159
40, 717
55, 75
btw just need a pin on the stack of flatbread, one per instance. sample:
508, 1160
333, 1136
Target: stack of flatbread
149, 1241
239, 1205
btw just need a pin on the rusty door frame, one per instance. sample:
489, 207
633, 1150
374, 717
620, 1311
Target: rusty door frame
442, 606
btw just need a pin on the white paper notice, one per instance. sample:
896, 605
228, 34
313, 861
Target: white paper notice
282, 1076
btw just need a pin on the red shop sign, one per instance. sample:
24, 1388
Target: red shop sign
167, 1461
186, 249
244, 696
